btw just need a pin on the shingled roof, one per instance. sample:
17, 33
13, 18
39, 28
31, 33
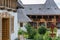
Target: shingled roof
50, 4
49, 8
20, 4
22, 17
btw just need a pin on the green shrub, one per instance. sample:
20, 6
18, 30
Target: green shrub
31, 31
38, 37
25, 35
42, 30
58, 38
49, 38
55, 29
42, 33
46, 36
20, 32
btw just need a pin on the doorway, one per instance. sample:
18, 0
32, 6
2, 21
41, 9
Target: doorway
5, 28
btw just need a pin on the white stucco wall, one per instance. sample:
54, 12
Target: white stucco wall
16, 26
23, 28
14, 35
58, 32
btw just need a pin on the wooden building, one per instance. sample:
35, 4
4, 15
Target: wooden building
8, 19
43, 14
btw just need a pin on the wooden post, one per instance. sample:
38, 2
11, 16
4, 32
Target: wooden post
0, 28
37, 25
36, 17
55, 19
5, 4
10, 3
54, 16
42, 17
2, 2
48, 17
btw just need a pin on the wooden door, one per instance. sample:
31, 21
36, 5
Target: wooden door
5, 29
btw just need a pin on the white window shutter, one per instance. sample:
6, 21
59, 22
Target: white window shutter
12, 24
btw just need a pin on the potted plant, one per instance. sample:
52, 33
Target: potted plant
20, 34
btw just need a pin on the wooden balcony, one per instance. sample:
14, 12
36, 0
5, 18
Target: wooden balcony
42, 20
54, 20
8, 4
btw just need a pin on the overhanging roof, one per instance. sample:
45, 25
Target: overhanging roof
20, 4
42, 12
49, 8
22, 17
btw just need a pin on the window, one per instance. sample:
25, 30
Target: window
21, 24
41, 24
55, 8
49, 24
4, 3
39, 8
33, 24
57, 17
34, 17
13, 4
39, 17
51, 17
30, 8
58, 25
7, 3
48, 8
45, 17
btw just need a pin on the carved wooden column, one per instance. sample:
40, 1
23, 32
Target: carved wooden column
5, 4
55, 20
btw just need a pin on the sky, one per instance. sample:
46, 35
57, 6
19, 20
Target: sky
39, 2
